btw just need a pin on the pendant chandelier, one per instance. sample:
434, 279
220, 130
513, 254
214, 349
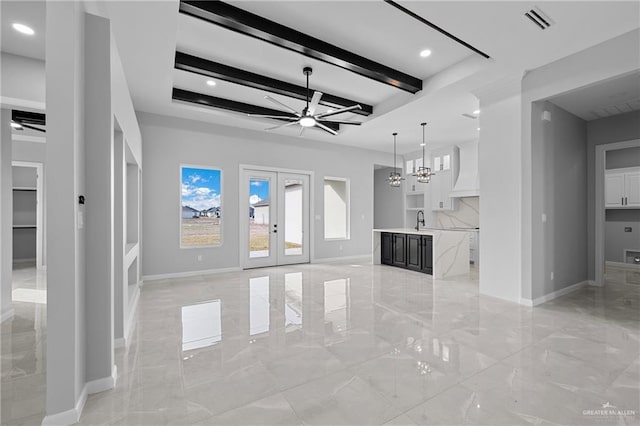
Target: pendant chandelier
395, 179
423, 174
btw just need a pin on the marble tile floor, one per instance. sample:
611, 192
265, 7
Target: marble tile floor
360, 344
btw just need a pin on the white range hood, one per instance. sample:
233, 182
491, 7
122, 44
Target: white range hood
468, 183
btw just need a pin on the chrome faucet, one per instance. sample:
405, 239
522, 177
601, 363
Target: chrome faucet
418, 220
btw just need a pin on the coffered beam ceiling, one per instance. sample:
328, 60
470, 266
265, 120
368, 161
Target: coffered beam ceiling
229, 105
208, 68
247, 23
435, 27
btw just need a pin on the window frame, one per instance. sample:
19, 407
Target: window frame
197, 166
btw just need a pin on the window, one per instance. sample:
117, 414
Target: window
201, 212
336, 208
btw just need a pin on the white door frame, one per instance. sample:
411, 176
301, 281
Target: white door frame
243, 237
40, 243
599, 202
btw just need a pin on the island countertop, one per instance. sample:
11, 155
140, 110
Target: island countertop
450, 249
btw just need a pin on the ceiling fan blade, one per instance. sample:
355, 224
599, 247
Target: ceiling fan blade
340, 111
282, 125
26, 126
355, 123
314, 102
325, 128
279, 117
277, 102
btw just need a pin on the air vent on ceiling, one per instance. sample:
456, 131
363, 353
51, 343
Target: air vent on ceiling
539, 18
473, 117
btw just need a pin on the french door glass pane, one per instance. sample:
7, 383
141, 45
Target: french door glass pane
259, 210
293, 217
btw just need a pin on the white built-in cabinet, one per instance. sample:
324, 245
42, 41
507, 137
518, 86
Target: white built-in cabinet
622, 188
445, 166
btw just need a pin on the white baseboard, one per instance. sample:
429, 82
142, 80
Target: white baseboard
68, 417
103, 384
156, 277
343, 258
550, 296
8, 314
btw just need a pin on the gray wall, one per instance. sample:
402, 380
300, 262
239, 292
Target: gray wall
24, 213
562, 241
621, 158
618, 128
615, 239
387, 201
170, 142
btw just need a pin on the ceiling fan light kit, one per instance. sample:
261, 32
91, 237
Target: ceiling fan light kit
308, 117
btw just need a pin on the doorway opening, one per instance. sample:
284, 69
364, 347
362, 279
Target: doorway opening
274, 217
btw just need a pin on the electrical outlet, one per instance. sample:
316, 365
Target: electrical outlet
318, 217
551, 276
544, 218
340, 247
199, 258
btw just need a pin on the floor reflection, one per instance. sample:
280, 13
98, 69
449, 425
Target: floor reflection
201, 325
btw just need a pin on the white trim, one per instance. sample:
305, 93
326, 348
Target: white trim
8, 314
550, 296
103, 384
600, 157
156, 277
68, 417
24, 138
344, 258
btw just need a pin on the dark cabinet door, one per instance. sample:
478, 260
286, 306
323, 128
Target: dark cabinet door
399, 250
414, 243
386, 249
426, 255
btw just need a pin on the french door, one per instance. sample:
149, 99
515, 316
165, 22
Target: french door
274, 218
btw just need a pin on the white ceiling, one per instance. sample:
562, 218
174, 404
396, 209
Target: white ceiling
30, 13
148, 32
604, 99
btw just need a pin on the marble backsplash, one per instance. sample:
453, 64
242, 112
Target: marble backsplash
467, 215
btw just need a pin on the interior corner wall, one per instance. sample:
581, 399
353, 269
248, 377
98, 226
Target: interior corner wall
613, 58
387, 201
499, 167
170, 142
618, 128
6, 216
560, 194
65, 177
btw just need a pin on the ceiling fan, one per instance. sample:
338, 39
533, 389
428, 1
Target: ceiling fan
308, 116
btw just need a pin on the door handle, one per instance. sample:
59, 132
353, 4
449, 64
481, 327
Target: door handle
622, 201
626, 201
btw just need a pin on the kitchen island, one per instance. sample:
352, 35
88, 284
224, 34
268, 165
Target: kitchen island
440, 252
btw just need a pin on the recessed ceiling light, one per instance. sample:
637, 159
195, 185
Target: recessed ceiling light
23, 29
211, 83
476, 112
425, 53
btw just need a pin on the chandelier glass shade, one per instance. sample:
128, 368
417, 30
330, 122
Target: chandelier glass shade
423, 174
395, 178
